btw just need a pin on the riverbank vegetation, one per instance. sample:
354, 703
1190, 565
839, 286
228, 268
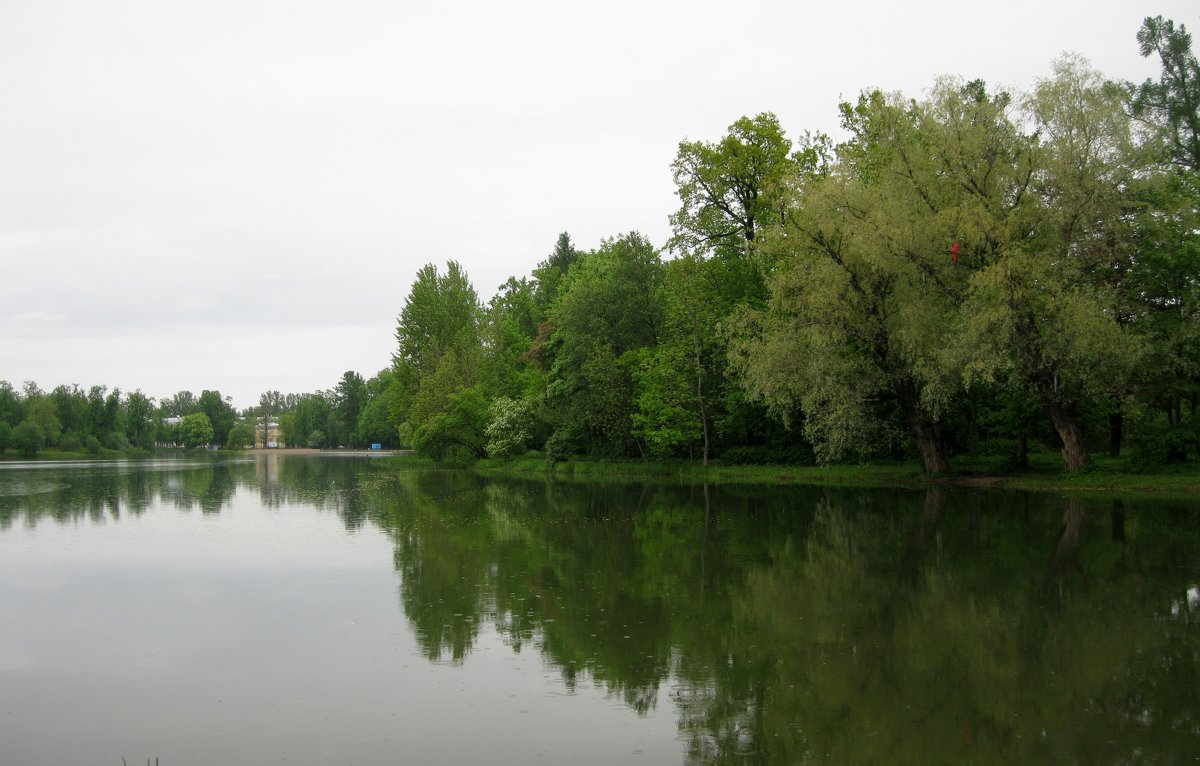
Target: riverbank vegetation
967, 278
967, 275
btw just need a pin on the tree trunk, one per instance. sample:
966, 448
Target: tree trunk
1116, 431
1074, 518
1118, 521
923, 430
700, 386
927, 444
923, 531
1074, 450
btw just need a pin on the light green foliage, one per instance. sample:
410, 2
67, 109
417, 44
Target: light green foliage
729, 191
1043, 314
241, 435
666, 416
863, 298
196, 430
40, 410
5, 435
28, 438
511, 427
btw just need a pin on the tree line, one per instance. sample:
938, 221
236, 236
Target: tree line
976, 269
73, 419
972, 268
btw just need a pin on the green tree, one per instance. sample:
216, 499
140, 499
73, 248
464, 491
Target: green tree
510, 427
438, 347
1162, 288
862, 301
40, 410
375, 425
1172, 103
220, 414
179, 404
196, 430
241, 435
549, 273
609, 308
28, 438
1042, 314
730, 190
139, 419
11, 410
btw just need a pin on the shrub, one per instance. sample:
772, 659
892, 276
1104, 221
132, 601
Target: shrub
72, 442
116, 440
28, 438
511, 427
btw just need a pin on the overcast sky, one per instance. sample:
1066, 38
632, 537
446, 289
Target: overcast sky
236, 195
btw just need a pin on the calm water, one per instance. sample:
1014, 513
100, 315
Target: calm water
333, 611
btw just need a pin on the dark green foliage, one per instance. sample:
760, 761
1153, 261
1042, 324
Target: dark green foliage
28, 438
1173, 102
220, 414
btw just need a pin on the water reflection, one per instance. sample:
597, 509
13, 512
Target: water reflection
826, 626
778, 625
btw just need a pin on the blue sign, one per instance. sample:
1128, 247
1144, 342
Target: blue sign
376, 446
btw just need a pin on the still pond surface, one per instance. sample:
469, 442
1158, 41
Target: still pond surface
289, 610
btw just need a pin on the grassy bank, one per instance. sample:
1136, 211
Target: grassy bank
1118, 477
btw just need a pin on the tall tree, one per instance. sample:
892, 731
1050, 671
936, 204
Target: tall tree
1171, 105
610, 307
1043, 314
221, 414
438, 345
139, 419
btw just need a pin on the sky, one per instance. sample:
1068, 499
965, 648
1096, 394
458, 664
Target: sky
237, 195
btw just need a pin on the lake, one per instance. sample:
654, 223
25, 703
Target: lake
337, 610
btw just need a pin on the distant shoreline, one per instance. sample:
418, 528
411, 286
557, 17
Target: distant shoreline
298, 451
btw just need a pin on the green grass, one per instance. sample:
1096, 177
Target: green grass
1119, 477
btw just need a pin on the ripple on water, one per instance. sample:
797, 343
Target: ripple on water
23, 488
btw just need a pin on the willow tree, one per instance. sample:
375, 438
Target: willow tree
869, 272
1042, 315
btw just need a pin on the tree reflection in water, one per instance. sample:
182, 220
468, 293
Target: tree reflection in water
782, 625
821, 625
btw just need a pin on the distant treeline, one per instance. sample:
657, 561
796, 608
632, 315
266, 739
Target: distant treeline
71, 419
